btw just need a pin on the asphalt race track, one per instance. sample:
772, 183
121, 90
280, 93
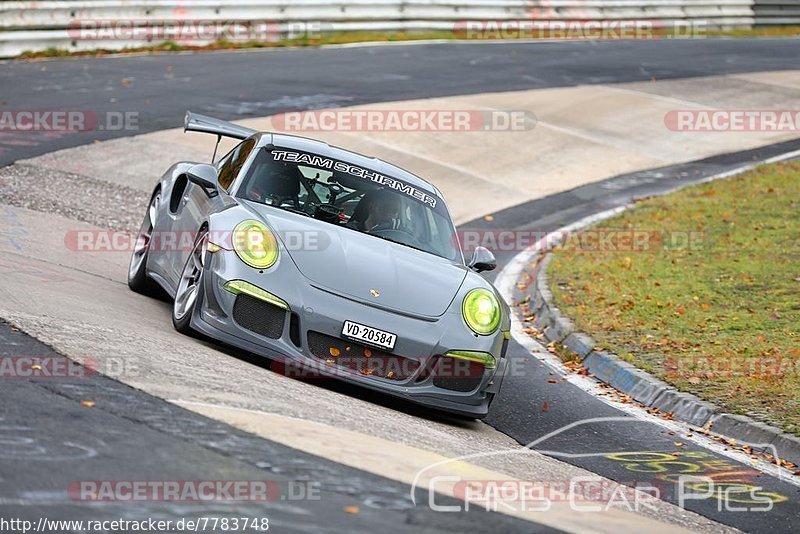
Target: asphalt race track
174, 443
251, 84
161, 441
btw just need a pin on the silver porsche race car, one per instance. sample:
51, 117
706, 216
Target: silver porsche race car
329, 262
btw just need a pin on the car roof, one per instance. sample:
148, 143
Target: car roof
321, 148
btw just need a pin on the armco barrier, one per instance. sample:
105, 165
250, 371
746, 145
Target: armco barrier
36, 26
776, 12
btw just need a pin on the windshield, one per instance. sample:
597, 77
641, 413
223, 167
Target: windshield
353, 197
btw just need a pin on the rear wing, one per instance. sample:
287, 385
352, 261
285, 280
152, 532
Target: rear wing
194, 122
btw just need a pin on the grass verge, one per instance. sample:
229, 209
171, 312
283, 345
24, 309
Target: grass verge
713, 307
326, 39
357, 37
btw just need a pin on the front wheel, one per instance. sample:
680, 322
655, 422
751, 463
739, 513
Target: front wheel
186, 296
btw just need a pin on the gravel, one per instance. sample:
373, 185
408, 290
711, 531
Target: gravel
73, 196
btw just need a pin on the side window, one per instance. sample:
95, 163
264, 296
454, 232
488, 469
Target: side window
232, 163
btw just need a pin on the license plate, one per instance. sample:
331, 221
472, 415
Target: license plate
369, 335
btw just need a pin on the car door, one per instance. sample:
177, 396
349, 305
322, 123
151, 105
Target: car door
196, 204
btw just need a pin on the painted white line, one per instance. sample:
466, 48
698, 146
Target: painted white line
506, 281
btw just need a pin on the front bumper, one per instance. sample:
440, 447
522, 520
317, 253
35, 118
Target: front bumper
417, 370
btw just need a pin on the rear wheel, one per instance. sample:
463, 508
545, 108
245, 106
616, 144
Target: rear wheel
186, 296
138, 280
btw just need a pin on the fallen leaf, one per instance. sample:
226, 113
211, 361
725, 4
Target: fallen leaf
544, 407
334, 351
351, 509
88, 404
680, 444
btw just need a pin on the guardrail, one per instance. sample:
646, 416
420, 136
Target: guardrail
776, 12
76, 25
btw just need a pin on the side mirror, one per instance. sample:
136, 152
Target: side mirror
204, 175
482, 260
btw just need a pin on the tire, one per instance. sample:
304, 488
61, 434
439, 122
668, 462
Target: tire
138, 280
187, 295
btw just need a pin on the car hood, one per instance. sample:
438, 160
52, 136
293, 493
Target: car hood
352, 264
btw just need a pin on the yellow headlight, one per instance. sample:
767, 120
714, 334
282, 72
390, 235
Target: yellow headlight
481, 311
255, 244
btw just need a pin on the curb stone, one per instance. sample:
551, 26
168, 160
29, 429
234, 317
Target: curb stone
645, 388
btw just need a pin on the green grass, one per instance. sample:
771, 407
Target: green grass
326, 39
358, 37
720, 319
